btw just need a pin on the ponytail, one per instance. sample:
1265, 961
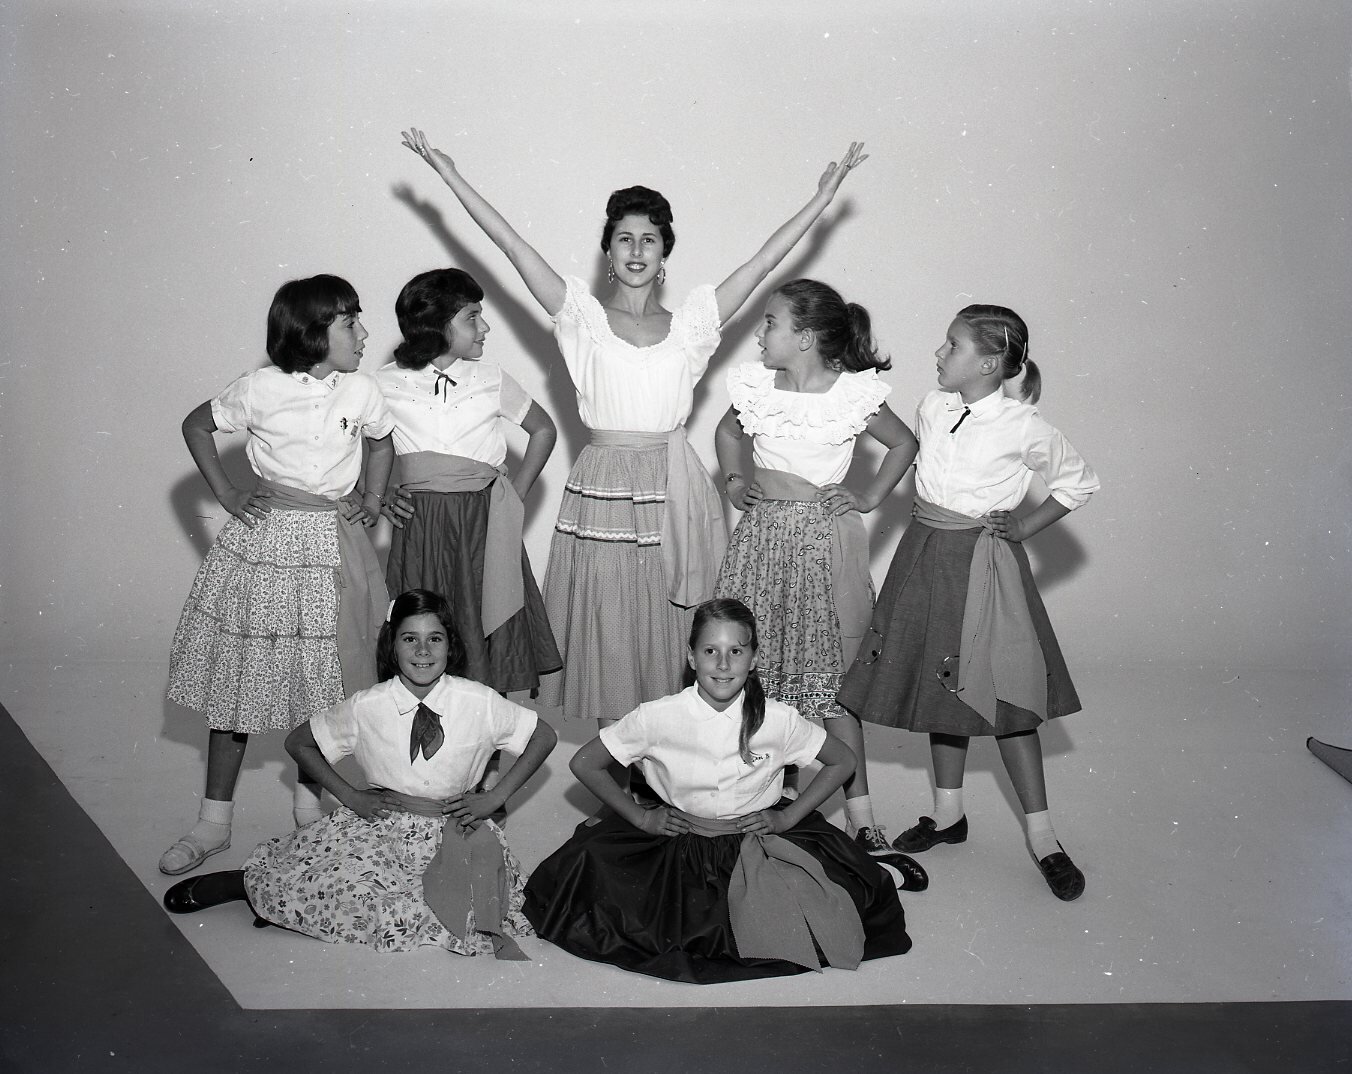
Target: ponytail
844, 331
1001, 333
753, 714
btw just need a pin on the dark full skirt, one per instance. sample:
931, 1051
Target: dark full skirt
658, 904
441, 548
908, 661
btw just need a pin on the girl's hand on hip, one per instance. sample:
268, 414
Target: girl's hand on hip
470, 809
765, 822
397, 507
663, 820
249, 507
1005, 525
354, 509
837, 499
370, 804
745, 497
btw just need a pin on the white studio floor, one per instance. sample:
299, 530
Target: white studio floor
1218, 853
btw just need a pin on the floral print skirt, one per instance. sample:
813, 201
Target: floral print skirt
256, 647
778, 564
343, 879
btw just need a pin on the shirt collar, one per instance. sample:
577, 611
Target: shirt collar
706, 711
459, 370
331, 381
405, 702
986, 404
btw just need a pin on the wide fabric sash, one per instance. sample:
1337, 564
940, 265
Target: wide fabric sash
362, 597
468, 871
694, 536
504, 593
1001, 657
851, 582
782, 905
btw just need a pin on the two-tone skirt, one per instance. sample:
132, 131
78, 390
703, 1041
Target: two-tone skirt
906, 672
441, 548
658, 905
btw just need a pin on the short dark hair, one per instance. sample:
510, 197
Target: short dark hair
418, 602
299, 319
999, 332
425, 306
643, 202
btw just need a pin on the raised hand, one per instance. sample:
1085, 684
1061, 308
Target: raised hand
835, 173
416, 140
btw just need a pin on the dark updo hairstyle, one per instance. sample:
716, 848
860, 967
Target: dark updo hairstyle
728, 610
298, 322
643, 202
418, 602
424, 307
1000, 333
843, 329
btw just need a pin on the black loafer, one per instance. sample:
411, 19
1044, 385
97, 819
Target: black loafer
913, 875
182, 897
925, 835
1062, 876
201, 892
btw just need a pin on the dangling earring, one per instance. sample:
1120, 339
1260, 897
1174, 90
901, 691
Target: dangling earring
662, 272
610, 270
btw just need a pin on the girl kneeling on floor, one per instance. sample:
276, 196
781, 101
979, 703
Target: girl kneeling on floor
725, 880
413, 860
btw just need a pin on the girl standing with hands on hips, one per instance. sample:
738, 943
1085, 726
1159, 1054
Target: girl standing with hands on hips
457, 517
413, 860
283, 614
799, 556
961, 645
723, 880
640, 532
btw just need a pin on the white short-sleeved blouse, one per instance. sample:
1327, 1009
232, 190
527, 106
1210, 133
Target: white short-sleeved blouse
464, 418
303, 431
374, 726
810, 434
639, 389
689, 754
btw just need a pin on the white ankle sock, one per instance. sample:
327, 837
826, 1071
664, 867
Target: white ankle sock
859, 812
213, 823
305, 807
947, 806
1041, 837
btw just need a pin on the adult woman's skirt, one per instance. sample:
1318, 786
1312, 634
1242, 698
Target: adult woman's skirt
347, 880
906, 673
606, 589
779, 565
256, 647
658, 904
441, 548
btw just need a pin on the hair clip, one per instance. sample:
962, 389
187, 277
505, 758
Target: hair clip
389, 611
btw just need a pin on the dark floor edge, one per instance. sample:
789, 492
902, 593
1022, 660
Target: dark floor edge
95, 976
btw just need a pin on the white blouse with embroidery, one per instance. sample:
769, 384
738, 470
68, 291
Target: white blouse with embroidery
810, 434
638, 389
689, 752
